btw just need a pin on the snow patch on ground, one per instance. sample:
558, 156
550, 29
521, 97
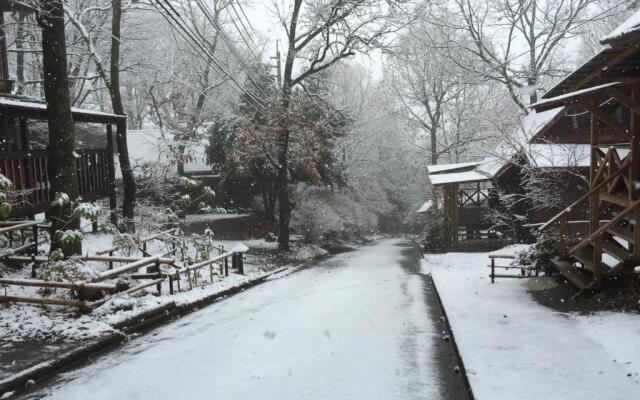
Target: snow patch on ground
515, 348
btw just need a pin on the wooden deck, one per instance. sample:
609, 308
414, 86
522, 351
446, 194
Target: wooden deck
31, 193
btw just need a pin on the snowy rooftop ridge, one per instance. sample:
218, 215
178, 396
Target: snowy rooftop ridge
631, 25
438, 168
458, 177
577, 93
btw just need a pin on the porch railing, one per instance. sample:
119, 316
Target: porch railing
31, 192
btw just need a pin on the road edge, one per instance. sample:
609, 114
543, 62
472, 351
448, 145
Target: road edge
454, 345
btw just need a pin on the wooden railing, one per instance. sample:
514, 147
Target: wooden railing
472, 197
27, 170
608, 178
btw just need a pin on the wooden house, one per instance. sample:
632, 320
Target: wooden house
606, 89
24, 144
466, 195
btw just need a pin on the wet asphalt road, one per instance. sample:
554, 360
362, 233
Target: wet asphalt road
360, 325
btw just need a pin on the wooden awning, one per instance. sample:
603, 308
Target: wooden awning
37, 109
15, 5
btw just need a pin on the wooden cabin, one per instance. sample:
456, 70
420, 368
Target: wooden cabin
608, 82
24, 143
466, 198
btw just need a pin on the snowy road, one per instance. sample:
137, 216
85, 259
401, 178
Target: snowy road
355, 326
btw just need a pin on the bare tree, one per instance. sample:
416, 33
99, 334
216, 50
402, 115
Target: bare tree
439, 102
319, 35
517, 43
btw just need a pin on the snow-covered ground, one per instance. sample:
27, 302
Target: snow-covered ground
21, 322
515, 348
353, 327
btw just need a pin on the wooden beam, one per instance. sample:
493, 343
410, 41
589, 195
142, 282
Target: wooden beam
595, 111
623, 99
54, 284
112, 273
42, 300
596, 73
17, 227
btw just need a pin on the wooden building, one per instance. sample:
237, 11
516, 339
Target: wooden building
24, 144
465, 202
606, 89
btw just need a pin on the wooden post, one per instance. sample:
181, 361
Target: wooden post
634, 174
113, 201
594, 199
563, 230
241, 263
454, 212
157, 269
493, 270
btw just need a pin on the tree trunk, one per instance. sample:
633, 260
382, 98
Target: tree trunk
129, 203
282, 182
20, 40
434, 146
61, 166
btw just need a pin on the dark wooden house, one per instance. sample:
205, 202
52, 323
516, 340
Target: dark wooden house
606, 89
24, 144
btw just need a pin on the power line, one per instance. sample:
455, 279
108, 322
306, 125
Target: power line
188, 35
207, 12
241, 21
245, 17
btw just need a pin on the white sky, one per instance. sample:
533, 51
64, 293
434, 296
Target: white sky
261, 13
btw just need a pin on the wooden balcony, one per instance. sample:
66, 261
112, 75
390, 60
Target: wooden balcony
31, 192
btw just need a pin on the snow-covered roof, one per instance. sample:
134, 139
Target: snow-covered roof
439, 168
559, 155
534, 122
151, 146
425, 207
629, 26
458, 177
39, 107
556, 100
490, 166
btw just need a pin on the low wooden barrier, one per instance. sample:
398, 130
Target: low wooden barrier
524, 272
217, 265
223, 270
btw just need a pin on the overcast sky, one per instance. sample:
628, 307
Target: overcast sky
261, 14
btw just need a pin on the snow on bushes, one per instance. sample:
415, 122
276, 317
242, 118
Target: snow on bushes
321, 213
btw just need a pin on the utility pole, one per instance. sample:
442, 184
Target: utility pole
278, 65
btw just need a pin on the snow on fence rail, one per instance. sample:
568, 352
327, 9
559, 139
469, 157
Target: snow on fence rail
222, 259
83, 291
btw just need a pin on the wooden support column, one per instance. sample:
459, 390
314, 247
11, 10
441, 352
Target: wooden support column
594, 199
454, 187
113, 202
634, 170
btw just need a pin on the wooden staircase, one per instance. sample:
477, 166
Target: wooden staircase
609, 249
